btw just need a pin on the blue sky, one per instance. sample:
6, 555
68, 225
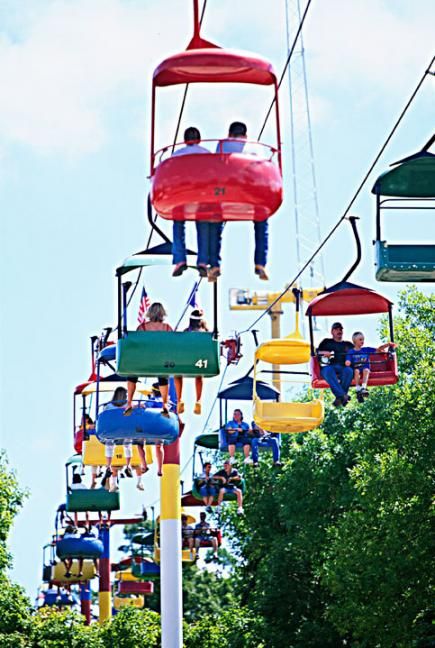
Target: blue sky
74, 124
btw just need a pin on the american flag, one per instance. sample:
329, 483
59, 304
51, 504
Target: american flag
193, 297
145, 303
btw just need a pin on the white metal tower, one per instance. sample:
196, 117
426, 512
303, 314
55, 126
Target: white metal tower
306, 206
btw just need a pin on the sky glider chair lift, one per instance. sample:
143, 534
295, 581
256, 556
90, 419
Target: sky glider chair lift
410, 185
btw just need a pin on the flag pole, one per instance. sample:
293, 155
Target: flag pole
171, 599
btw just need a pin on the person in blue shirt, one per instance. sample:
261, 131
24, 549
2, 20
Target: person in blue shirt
236, 430
236, 143
359, 359
263, 439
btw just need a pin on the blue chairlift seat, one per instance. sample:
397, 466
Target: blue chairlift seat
80, 547
144, 424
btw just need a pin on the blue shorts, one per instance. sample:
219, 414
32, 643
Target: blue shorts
361, 367
231, 439
229, 488
207, 490
245, 440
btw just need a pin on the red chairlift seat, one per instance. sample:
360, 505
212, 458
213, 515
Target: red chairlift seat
215, 186
146, 588
346, 298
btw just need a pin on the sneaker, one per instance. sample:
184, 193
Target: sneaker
345, 399
359, 396
261, 272
180, 407
255, 464
128, 411
197, 408
240, 511
209, 509
179, 269
277, 463
128, 472
248, 461
202, 269
165, 412
365, 392
338, 402
140, 486
213, 274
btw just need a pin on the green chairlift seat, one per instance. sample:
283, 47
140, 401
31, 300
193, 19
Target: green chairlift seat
409, 185
99, 499
81, 500
172, 353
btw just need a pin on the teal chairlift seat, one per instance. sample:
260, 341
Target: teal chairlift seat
409, 185
162, 353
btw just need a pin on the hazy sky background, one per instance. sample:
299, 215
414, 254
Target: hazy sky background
74, 132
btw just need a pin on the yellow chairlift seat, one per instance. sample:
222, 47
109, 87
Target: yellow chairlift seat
140, 391
289, 417
186, 555
126, 576
58, 572
284, 417
120, 602
290, 350
94, 454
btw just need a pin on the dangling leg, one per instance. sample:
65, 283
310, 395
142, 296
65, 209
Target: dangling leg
160, 453
198, 389
131, 388
164, 391
215, 238
178, 380
202, 233
261, 230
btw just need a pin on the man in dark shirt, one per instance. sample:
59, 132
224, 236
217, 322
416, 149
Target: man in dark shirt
230, 479
332, 356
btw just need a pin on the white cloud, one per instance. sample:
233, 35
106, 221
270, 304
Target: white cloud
381, 44
66, 65
73, 61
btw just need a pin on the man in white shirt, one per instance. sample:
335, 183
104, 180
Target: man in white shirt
236, 143
192, 137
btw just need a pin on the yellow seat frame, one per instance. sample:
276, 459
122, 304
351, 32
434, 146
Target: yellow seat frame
126, 576
94, 454
185, 553
137, 601
58, 572
286, 418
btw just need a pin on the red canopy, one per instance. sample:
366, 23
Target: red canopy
214, 65
352, 300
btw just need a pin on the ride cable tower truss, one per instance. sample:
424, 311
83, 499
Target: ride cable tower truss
306, 205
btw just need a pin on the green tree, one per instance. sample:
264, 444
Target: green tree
336, 547
15, 615
11, 499
131, 628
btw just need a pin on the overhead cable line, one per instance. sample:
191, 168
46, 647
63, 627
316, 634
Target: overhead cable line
301, 24
428, 71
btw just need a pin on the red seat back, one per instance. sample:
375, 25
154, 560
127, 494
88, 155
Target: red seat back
383, 371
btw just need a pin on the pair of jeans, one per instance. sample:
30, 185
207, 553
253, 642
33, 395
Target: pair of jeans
261, 230
269, 442
207, 490
179, 242
209, 243
338, 378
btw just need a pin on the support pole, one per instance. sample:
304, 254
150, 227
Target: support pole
171, 596
104, 596
275, 317
85, 602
